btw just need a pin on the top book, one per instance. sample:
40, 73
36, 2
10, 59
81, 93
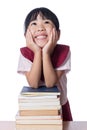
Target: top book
42, 90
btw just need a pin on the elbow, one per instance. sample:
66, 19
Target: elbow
33, 85
50, 85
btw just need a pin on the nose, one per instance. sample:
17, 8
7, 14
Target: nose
41, 28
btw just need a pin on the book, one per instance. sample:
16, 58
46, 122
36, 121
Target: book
38, 127
38, 119
19, 117
39, 98
39, 112
40, 103
39, 109
42, 90
44, 107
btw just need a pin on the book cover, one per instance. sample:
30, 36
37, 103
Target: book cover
43, 90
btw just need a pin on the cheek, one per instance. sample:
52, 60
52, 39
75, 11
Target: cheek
49, 32
49, 29
32, 30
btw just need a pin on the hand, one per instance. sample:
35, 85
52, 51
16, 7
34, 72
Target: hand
49, 47
30, 42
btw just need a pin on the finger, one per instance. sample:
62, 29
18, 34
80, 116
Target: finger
54, 35
50, 38
28, 38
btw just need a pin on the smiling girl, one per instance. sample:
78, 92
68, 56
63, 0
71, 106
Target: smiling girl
43, 61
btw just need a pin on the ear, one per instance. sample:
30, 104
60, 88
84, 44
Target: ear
58, 35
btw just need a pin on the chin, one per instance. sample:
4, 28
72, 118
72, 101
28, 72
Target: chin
41, 46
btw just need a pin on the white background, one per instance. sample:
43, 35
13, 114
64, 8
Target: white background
72, 15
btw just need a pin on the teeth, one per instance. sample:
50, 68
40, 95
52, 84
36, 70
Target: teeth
41, 37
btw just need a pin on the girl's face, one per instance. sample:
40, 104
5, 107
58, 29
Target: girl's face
40, 30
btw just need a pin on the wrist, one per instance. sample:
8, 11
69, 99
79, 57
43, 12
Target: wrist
45, 56
45, 52
38, 52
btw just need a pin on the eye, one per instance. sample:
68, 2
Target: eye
47, 22
33, 23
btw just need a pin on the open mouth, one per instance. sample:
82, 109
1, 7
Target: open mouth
41, 37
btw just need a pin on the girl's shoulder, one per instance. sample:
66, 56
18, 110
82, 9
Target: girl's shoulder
27, 53
62, 48
59, 54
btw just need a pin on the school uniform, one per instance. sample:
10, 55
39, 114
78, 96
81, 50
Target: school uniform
61, 60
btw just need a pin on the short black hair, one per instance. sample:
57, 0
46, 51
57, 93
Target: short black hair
45, 13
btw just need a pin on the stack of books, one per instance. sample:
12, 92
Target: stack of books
39, 109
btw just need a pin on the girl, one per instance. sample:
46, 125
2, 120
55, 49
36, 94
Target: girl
43, 61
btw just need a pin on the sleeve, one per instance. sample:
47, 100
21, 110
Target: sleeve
66, 64
24, 65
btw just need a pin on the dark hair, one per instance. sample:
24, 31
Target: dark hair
45, 13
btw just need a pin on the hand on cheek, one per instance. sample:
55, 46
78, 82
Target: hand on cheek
30, 42
49, 47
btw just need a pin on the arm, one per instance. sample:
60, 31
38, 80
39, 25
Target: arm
33, 76
50, 74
